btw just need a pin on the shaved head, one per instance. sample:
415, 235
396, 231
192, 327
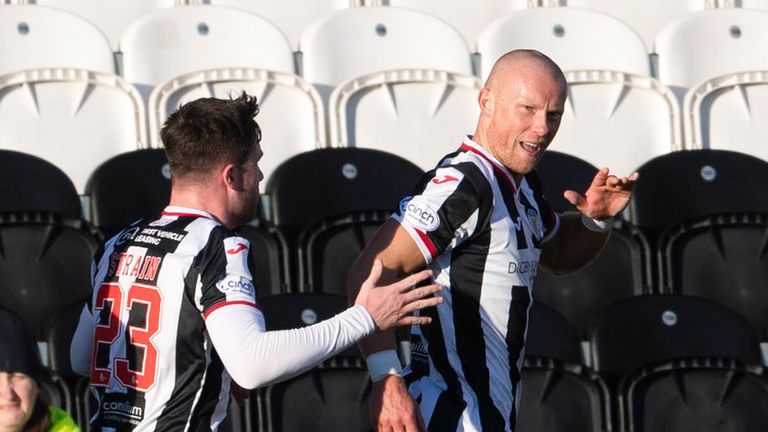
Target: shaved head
524, 59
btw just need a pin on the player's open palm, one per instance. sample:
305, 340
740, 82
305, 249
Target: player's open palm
393, 305
606, 197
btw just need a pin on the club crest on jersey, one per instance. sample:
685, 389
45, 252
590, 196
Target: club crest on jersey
419, 214
236, 285
537, 225
127, 235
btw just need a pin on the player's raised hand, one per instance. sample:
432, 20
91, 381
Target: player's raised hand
606, 196
394, 304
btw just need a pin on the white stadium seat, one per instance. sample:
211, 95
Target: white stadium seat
290, 116
179, 40
618, 120
711, 43
647, 17
419, 115
41, 37
729, 113
468, 17
290, 16
574, 38
358, 41
110, 16
72, 118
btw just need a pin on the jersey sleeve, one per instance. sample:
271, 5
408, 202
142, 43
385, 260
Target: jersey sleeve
443, 213
225, 276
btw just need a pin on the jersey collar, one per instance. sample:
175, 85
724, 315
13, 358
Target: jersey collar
179, 211
470, 145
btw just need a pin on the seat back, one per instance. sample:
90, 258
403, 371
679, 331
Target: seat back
128, 187
31, 38
73, 118
290, 111
174, 41
420, 115
574, 38
560, 172
29, 183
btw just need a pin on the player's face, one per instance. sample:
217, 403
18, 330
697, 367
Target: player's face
247, 206
18, 394
526, 115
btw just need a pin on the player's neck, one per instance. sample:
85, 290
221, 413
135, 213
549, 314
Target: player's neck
199, 200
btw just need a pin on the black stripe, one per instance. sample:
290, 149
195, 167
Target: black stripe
516, 325
509, 201
450, 404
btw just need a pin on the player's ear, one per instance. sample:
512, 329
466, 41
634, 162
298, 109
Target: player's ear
485, 100
232, 176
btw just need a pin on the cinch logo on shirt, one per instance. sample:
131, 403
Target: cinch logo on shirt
234, 285
419, 214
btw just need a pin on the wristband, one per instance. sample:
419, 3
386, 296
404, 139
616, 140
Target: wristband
596, 225
383, 364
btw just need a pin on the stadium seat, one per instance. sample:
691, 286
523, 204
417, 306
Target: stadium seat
28, 183
622, 270
686, 184
420, 115
728, 113
268, 256
174, 41
328, 249
290, 116
560, 172
350, 43
110, 16
45, 265
32, 38
721, 258
575, 39
645, 17
601, 110
553, 378
290, 16
465, 16
73, 118
127, 187
710, 43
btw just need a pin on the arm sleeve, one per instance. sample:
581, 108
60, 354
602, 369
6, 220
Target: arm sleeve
82, 344
254, 357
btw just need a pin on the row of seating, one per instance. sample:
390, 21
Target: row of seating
650, 355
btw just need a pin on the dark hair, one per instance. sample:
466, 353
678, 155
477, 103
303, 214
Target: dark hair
207, 132
40, 420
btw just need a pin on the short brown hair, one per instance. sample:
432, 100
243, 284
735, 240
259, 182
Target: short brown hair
207, 132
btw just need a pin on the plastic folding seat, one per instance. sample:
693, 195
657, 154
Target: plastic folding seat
560, 172
621, 270
174, 41
576, 39
687, 184
291, 16
617, 120
728, 113
290, 116
32, 38
350, 43
467, 17
127, 187
45, 265
28, 183
269, 256
644, 17
644, 334
553, 380
315, 185
110, 16
73, 118
721, 258
328, 249
420, 115
711, 43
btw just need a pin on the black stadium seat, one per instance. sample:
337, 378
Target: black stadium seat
127, 187
29, 183
560, 172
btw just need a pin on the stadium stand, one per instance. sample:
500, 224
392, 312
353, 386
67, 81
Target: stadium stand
728, 113
560, 172
291, 114
420, 115
174, 41
575, 39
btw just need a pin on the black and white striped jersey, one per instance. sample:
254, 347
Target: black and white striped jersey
481, 234
153, 366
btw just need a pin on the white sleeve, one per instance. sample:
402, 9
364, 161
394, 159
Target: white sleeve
255, 357
82, 344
